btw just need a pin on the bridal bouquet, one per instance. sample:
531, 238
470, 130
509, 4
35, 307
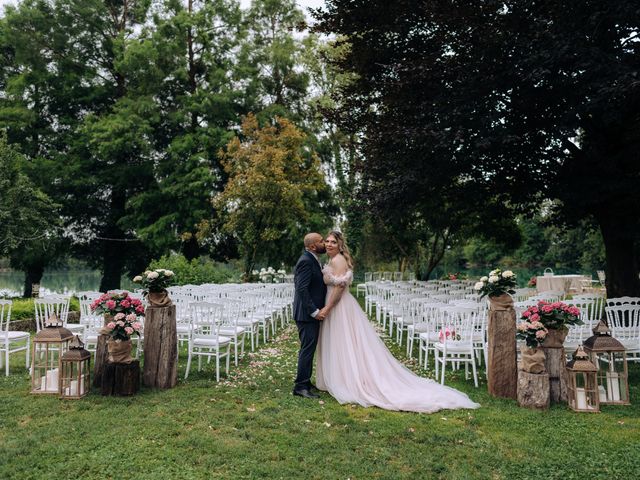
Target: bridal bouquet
497, 283
114, 303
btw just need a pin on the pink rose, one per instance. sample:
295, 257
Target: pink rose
111, 325
140, 309
131, 317
111, 305
119, 316
120, 323
541, 334
534, 310
526, 314
125, 303
557, 305
129, 330
535, 317
136, 326
547, 309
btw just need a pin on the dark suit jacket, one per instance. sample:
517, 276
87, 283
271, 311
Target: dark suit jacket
310, 290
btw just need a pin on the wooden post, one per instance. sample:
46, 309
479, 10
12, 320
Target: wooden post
556, 364
533, 390
160, 347
502, 369
121, 378
101, 358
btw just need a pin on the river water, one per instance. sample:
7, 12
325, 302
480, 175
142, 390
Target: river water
56, 281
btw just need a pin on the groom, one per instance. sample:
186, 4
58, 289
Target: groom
308, 304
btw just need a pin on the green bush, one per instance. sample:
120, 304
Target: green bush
197, 271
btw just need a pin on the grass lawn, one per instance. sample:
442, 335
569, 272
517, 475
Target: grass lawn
250, 426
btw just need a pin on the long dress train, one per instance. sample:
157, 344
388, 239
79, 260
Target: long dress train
355, 366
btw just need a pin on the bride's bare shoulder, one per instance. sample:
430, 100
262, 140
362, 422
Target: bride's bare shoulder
339, 265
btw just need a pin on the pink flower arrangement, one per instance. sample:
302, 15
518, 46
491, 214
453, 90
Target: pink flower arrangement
125, 311
448, 333
533, 332
552, 315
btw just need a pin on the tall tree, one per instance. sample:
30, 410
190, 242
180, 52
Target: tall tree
266, 200
200, 97
526, 100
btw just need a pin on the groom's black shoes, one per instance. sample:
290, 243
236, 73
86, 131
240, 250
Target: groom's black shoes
314, 389
306, 393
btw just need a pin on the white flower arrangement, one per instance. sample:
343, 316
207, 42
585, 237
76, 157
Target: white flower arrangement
497, 283
270, 275
155, 280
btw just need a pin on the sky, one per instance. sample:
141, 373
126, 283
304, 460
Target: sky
304, 4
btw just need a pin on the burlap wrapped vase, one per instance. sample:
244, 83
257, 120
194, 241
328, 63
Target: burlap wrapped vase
159, 299
555, 337
119, 351
532, 360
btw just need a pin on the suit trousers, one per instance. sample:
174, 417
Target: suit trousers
309, 333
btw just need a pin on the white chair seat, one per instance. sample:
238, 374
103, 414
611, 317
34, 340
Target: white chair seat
431, 336
231, 330
14, 336
452, 347
183, 328
76, 328
206, 342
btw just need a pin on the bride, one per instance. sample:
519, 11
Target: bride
354, 365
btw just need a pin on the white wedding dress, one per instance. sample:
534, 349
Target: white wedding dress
355, 366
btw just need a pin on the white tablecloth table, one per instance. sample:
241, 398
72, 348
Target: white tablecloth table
561, 283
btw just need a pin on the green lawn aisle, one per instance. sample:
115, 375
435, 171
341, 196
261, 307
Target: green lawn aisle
250, 426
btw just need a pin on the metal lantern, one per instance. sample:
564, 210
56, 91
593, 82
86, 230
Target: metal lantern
49, 344
610, 357
75, 368
582, 387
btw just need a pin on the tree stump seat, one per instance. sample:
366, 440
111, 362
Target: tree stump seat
121, 379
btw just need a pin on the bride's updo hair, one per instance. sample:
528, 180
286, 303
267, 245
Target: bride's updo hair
342, 246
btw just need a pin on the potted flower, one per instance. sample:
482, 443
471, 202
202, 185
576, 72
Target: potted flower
498, 283
155, 283
533, 282
556, 318
502, 373
534, 333
122, 314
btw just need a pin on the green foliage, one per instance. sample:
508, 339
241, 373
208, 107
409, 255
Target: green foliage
196, 271
249, 426
27, 215
271, 189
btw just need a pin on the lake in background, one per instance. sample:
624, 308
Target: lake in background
56, 281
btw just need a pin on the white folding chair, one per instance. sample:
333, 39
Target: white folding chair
624, 322
457, 346
205, 339
11, 341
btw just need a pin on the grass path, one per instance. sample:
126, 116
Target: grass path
250, 426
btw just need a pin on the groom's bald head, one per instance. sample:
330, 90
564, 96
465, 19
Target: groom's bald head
311, 239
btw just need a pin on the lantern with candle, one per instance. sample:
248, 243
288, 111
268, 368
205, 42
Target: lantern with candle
49, 344
610, 357
582, 385
75, 368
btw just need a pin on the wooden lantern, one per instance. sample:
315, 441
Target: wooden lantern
49, 344
610, 357
582, 384
75, 367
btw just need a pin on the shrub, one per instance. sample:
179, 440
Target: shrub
197, 271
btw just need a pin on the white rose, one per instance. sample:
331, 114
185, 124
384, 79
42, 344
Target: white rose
478, 286
493, 273
493, 279
281, 272
169, 273
484, 279
153, 275
137, 279
507, 274
263, 270
254, 272
160, 270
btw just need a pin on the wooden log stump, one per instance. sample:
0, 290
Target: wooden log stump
121, 379
502, 370
101, 358
533, 390
160, 347
555, 364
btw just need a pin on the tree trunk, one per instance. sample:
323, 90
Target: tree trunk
33, 274
190, 248
622, 263
114, 250
160, 347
